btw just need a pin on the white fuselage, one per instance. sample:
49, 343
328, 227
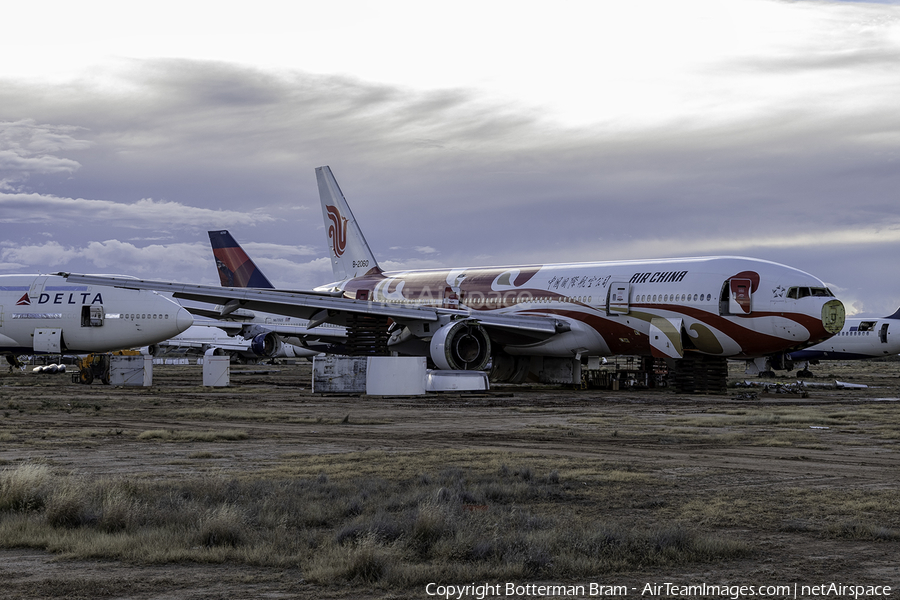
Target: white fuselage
860, 338
46, 314
725, 306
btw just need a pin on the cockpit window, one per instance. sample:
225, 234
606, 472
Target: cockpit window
795, 293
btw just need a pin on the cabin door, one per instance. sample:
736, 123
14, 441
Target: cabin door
739, 300
617, 302
37, 288
92, 316
451, 298
882, 335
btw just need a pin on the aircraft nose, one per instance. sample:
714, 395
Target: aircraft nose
183, 320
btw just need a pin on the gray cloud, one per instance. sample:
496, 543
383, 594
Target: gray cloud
143, 214
443, 175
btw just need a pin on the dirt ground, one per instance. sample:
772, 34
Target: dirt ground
95, 430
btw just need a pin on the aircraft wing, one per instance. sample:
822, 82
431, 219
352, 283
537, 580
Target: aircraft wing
316, 307
320, 308
203, 344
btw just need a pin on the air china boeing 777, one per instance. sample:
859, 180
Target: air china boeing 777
45, 314
695, 312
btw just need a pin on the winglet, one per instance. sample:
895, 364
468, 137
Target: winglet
236, 269
350, 254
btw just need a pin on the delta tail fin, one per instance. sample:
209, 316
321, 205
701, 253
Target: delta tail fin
236, 269
350, 254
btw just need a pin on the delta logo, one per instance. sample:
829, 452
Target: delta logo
62, 298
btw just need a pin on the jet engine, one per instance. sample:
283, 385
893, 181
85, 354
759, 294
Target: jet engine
270, 345
461, 346
266, 344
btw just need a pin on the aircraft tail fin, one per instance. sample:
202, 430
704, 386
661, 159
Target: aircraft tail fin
236, 269
350, 253
896, 315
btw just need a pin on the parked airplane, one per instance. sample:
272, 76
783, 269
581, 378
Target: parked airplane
45, 314
271, 335
696, 312
199, 338
234, 266
860, 338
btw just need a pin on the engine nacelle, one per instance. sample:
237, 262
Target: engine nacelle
271, 345
266, 344
461, 346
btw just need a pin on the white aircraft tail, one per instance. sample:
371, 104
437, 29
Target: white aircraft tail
350, 254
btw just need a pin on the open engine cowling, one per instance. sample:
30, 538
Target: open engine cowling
461, 346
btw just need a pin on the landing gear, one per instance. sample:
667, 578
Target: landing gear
764, 367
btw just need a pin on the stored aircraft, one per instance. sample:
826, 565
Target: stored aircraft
242, 334
45, 314
271, 335
693, 312
201, 337
860, 338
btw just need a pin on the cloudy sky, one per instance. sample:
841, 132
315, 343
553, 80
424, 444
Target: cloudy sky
462, 134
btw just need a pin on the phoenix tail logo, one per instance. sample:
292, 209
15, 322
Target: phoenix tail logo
337, 231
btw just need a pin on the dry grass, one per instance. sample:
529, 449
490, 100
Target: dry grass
24, 488
184, 435
852, 513
496, 521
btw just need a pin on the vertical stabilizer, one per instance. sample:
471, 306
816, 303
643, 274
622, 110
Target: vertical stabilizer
236, 269
350, 254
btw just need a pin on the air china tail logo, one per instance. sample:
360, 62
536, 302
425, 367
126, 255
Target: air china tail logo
337, 231
23, 301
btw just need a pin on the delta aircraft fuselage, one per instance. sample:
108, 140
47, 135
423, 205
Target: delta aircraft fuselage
46, 314
721, 306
